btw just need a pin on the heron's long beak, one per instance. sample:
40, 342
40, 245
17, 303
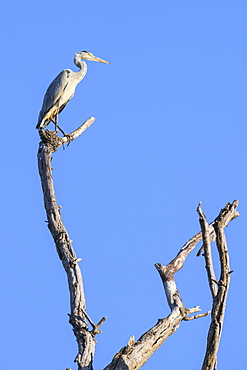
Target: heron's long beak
96, 59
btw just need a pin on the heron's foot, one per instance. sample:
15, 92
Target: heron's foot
69, 138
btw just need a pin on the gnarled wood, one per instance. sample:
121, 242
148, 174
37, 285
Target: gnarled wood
135, 354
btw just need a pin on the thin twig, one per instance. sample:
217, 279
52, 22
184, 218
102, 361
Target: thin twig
188, 318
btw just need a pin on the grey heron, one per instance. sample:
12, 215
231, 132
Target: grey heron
62, 89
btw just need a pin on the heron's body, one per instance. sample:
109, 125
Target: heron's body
62, 89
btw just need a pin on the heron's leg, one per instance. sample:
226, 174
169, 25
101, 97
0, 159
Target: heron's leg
64, 134
56, 120
52, 121
55, 123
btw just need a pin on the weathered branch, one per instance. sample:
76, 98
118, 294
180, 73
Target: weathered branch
219, 291
207, 251
135, 354
78, 317
55, 141
73, 135
188, 318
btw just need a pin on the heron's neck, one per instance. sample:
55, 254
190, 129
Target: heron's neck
82, 65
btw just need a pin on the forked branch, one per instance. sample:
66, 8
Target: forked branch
218, 289
136, 353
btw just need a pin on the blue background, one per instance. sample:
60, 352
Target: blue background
170, 131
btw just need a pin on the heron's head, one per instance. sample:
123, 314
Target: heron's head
89, 56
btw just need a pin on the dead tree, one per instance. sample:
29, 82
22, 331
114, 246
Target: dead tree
134, 355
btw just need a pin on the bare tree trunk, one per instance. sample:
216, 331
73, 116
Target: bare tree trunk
135, 353
78, 316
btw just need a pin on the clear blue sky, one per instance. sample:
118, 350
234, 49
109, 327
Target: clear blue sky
170, 131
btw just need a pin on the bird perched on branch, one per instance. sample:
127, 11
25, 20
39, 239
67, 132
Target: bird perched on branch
62, 89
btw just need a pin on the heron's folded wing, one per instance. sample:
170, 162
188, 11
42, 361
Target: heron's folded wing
55, 90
